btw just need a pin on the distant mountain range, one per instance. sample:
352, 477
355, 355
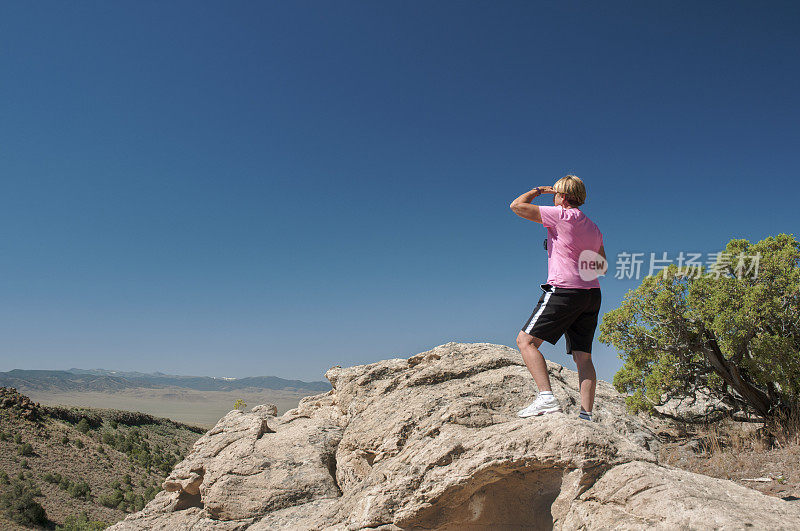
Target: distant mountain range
106, 380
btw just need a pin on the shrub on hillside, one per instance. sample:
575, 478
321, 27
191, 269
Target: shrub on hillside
53, 478
150, 493
112, 499
76, 489
136, 502
81, 523
80, 490
74, 415
133, 443
25, 450
83, 426
18, 503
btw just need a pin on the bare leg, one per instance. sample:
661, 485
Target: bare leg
529, 348
587, 378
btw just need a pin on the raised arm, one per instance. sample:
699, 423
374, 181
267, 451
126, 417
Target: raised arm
522, 207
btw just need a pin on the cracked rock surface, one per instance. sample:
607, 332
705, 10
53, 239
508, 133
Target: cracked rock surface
433, 442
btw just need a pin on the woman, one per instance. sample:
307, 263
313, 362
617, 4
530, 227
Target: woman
570, 303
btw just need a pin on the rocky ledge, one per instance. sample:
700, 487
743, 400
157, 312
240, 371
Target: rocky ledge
433, 442
11, 399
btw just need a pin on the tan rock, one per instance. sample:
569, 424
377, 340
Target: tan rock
433, 441
640, 495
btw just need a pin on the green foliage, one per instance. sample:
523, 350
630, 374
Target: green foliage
150, 493
139, 450
81, 523
134, 501
3, 436
83, 426
122, 496
25, 449
52, 478
18, 438
108, 438
17, 501
80, 490
112, 499
64, 440
733, 339
76, 489
239, 404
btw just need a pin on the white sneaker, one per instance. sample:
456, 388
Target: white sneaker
542, 405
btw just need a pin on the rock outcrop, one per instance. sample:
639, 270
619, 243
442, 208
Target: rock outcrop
11, 399
433, 442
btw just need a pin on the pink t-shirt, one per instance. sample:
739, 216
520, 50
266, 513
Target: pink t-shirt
569, 232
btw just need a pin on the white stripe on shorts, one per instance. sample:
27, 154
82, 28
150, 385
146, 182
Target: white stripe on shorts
541, 309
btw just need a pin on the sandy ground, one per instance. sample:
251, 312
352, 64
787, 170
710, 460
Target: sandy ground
200, 408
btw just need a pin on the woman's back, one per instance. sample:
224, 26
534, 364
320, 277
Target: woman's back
570, 232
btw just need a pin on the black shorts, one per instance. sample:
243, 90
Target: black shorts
572, 311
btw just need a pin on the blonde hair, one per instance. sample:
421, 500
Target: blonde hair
572, 187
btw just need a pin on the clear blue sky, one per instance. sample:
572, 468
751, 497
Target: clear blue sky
242, 188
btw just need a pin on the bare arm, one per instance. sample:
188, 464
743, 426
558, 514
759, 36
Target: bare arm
522, 207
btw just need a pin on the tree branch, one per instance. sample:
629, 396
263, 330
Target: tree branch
731, 374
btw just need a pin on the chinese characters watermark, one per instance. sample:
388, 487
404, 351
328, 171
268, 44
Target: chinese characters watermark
689, 265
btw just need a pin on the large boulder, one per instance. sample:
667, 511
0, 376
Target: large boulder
433, 442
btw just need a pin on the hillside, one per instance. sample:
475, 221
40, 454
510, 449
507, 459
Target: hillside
103, 462
105, 380
197, 400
